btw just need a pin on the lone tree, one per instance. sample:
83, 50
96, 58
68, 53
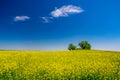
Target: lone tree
85, 45
71, 47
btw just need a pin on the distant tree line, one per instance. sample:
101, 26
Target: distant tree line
83, 45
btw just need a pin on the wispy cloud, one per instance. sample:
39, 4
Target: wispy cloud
46, 19
63, 11
66, 11
21, 18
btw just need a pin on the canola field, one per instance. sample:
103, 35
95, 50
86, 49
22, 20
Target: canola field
59, 65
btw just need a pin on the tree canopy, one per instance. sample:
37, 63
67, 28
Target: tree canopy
85, 45
82, 45
71, 47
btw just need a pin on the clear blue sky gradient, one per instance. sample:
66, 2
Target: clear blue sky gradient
99, 24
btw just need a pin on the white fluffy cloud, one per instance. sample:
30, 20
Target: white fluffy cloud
46, 19
66, 11
63, 11
21, 18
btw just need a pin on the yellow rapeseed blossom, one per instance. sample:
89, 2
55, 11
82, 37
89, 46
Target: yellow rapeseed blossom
59, 65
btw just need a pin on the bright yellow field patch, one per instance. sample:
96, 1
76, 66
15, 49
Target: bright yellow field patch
59, 65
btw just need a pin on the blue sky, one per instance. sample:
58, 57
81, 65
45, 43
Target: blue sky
53, 24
